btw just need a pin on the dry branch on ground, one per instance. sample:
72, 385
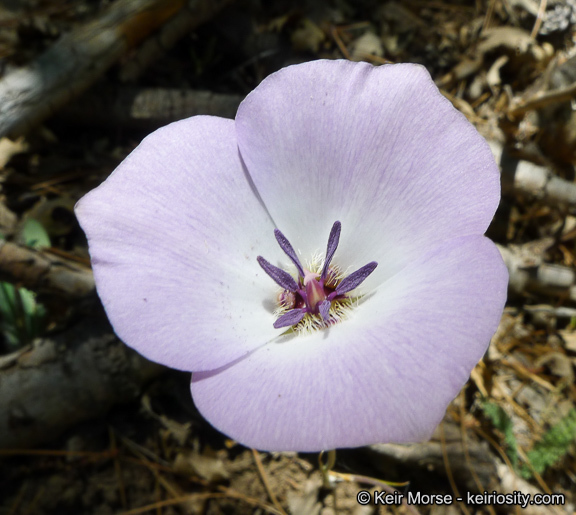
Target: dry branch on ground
75, 376
44, 272
145, 108
35, 92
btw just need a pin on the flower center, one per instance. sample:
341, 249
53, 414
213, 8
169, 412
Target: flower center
318, 297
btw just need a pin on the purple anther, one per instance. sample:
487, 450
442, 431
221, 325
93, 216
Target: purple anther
324, 309
353, 280
290, 318
287, 299
281, 277
333, 240
288, 250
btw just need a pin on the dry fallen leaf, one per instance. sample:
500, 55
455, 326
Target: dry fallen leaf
8, 148
207, 467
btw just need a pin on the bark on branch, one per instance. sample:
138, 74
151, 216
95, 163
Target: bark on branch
61, 381
43, 272
31, 94
146, 108
529, 179
530, 274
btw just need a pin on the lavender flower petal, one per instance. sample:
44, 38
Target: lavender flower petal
171, 236
385, 375
378, 148
281, 277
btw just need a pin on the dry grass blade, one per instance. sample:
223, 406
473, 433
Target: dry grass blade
448, 469
265, 481
539, 19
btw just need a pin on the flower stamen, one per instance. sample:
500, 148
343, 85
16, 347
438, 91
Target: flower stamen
281, 277
315, 299
288, 250
354, 280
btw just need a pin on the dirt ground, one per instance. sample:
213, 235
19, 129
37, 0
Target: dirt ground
508, 65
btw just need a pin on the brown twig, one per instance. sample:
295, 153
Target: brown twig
265, 481
539, 19
464, 438
156, 466
448, 469
374, 482
340, 43
540, 100
489, 13
117, 468
55, 453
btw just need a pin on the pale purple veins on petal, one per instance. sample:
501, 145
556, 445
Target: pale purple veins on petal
354, 280
281, 277
290, 318
333, 240
323, 309
288, 250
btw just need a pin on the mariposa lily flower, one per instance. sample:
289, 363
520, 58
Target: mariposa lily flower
318, 263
